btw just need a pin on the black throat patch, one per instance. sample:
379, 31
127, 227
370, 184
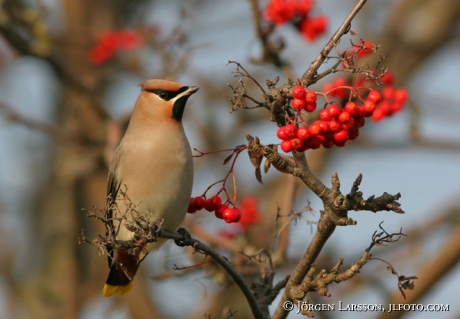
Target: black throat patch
179, 107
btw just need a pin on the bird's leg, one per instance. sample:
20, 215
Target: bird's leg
186, 240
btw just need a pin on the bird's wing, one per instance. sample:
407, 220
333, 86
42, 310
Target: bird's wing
113, 185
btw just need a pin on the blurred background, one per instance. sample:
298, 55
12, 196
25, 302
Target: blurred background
63, 106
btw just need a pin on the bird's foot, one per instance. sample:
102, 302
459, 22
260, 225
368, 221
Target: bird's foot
186, 240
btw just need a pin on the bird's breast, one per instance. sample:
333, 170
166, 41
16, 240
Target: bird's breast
158, 178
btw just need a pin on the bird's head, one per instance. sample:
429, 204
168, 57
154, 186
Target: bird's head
165, 100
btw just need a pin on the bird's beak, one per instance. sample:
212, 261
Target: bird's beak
180, 100
192, 89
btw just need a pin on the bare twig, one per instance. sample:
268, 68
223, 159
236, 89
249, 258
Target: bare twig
310, 76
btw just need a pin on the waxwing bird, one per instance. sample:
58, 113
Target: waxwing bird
153, 166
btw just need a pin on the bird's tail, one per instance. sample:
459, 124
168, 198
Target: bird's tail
121, 274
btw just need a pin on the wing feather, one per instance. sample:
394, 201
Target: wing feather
113, 186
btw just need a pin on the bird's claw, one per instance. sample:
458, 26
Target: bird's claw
186, 240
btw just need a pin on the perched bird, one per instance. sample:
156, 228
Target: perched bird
153, 166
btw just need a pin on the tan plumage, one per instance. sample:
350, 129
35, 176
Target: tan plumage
154, 164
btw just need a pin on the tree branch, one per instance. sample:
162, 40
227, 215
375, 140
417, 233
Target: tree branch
224, 263
309, 77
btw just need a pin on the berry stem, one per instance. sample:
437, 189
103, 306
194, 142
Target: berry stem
237, 151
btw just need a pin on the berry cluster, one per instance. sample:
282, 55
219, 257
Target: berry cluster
303, 100
297, 13
282, 11
392, 100
336, 125
214, 204
112, 41
311, 28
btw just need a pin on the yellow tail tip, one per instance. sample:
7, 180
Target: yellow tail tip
109, 290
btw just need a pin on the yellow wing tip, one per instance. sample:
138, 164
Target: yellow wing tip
109, 290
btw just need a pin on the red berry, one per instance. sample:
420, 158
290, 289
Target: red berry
304, 146
237, 212
191, 206
328, 143
218, 212
298, 92
374, 96
228, 215
296, 143
340, 82
396, 106
351, 108
310, 107
344, 117
303, 133
280, 12
353, 132
311, 27
199, 202
334, 126
401, 95
250, 213
324, 115
388, 92
286, 146
327, 87
282, 133
315, 129
298, 104
321, 137
291, 131
212, 203
378, 115
348, 124
100, 54
314, 143
360, 121
342, 92
368, 108
386, 107
334, 111
367, 48
341, 136
231, 215
324, 126
310, 97
388, 78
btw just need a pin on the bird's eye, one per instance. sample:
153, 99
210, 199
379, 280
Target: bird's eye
163, 95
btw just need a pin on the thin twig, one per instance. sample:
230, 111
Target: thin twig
309, 77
